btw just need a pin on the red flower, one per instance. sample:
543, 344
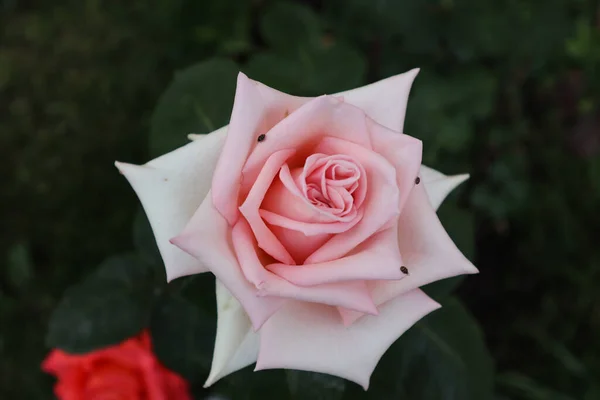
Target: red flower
126, 371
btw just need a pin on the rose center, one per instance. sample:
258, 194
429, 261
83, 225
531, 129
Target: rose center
331, 183
306, 205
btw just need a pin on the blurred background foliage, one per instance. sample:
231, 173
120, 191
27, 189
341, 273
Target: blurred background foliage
508, 91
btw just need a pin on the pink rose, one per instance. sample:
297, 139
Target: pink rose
318, 221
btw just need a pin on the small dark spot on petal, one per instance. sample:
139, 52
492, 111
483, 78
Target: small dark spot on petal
262, 137
404, 270
417, 181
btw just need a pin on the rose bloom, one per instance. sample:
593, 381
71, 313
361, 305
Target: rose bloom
318, 221
127, 371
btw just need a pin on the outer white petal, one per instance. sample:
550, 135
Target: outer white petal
236, 344
311, 337
438, 185
196, 136
385, 100
170, 188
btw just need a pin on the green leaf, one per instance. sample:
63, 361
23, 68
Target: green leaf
337, 68
111, 305
144, 241
311, 72
442, 357
460, 225
440, 289
198, 289
198, 100
444, 109
277, 71
289, 27
301, 60
414, 20
453, 344
248, 385
128, 270
313, 385
183, 336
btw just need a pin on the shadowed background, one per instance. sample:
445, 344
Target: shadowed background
508, 91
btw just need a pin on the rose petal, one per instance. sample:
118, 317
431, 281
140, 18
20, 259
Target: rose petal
384, 101
171, 188
250, 208
236, 343
286, 199
310, 226
353, 295
58, 362
402, 151
298, 244
256, 109
309, 229
438, 185
380, 206
208, 238
317, 166
428, 252
131, 353
303, 129
376, 258
310, 337
282, 198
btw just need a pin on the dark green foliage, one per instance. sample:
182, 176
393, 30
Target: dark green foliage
183, 336
145, 245
508, 91
302, 60
290, 27
112, 304
311, 385
199, 100
247, 385
300, 73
